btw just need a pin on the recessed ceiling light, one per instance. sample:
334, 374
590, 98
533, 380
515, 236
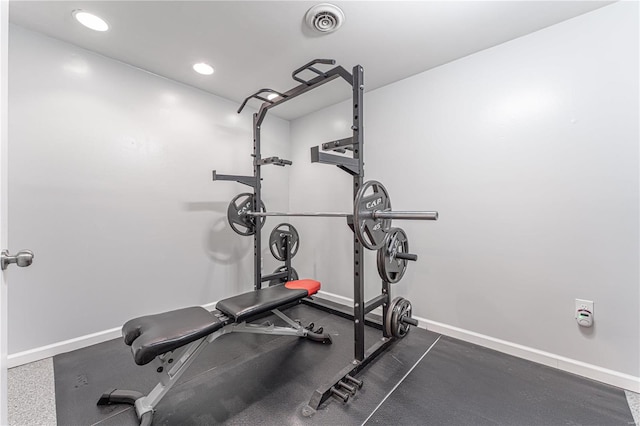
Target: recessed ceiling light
202, 68
90, 20
272, 96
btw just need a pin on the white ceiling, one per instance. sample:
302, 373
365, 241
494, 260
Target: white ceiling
257, 44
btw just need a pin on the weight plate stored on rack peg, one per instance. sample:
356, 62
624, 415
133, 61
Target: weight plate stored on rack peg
391, 268
283, 268
241, 223
370, 198
278, 241
398, 319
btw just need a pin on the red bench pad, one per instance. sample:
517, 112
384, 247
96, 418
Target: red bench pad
312, 286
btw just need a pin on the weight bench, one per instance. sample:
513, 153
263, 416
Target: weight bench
156, 337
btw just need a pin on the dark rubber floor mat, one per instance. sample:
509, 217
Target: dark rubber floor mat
238, 379
458, 383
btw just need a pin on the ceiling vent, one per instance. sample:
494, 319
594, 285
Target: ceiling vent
324, 17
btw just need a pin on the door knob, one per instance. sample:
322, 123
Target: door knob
22, 258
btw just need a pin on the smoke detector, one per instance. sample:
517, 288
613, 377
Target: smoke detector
324, 17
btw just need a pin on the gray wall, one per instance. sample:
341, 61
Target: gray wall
529, 151
110, 185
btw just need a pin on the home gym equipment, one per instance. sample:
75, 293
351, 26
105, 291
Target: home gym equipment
397, 322
372, 214
370, 219
240, 223
156, 337
285, 274
392, 258
283, 241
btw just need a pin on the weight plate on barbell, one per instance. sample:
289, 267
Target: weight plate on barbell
278, 241
277, 281
394, 326
244, 224
371, 197
390, 268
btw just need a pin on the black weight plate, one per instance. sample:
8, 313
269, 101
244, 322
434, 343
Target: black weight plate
241, 223
294, 276
372, 233
390, 268
277, 241
393, 325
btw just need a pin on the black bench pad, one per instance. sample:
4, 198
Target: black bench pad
246, 305
153, 335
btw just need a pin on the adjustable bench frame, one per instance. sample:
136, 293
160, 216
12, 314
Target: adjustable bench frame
154, 338
171, 366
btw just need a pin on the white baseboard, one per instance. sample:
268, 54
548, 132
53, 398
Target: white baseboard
335, 298
36, 354
604, 375
594, 372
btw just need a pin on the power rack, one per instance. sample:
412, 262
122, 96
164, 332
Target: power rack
354, 166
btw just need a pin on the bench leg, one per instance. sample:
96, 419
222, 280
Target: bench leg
302, 331
117, 396
171, 370
294, 329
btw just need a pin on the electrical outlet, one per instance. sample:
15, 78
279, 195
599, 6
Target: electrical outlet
584, 312
584, 304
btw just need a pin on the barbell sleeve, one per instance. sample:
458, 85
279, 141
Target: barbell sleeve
404, 215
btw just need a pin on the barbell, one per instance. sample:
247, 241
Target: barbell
371, 216
378, 214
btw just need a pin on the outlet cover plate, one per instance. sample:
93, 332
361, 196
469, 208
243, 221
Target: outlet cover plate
583, 304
